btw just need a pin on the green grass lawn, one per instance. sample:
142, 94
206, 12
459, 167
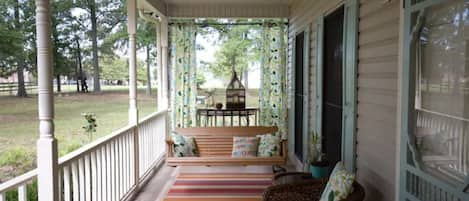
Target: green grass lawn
19, 124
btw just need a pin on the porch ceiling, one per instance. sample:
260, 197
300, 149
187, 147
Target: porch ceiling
220, 8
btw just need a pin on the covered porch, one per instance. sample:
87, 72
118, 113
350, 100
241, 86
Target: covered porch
378, 123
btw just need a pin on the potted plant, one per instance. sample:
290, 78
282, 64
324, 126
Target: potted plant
319, 166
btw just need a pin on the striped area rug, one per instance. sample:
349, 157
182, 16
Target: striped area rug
219, 187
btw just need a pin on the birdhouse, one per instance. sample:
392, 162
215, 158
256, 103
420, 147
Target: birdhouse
235, 94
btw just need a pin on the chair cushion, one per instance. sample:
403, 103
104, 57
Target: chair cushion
269, 145
244, 147
339, 185
184, 146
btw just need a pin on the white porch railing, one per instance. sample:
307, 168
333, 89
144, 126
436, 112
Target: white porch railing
105, 170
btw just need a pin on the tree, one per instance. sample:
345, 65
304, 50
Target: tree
146, 37
18, 35
108, 14
233, 54
115, 69
62, 37
239, 47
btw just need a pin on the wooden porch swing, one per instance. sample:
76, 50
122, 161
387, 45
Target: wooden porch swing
216, 143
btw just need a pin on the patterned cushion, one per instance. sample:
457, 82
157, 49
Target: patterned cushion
184, 146
339, 185
269, 145
245, 147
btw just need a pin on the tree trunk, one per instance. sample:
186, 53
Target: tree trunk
81, 77
94, 40
148, 72
59, 88
77, 75
21, 88
20, 69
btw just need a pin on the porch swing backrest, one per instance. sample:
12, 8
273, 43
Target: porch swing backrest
215, 145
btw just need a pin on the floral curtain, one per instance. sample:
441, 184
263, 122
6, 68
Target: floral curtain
183, 74
273, 96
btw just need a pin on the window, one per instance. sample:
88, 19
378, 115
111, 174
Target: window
440, 59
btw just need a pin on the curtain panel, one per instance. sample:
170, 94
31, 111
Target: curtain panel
273, 95
183, 74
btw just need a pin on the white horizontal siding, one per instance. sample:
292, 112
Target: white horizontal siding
377, 98
377, 86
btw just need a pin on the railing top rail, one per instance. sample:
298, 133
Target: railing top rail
93, 145
153, 115
442, 114
17, 181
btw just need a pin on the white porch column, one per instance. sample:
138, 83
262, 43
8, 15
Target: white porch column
133, 110
132, 30
164, 66
47, 144
159, 63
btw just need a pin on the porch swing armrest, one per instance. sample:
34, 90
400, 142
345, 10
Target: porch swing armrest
284, 147
169, 143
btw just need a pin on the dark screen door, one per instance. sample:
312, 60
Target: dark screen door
332, 86
299, 95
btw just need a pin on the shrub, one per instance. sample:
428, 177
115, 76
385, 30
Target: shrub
69, 148
16, 157
31, 191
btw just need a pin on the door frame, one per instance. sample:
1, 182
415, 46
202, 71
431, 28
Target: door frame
408, 151
291, 115
349, 80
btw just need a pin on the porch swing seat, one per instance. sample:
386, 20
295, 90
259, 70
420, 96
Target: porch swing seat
215, 145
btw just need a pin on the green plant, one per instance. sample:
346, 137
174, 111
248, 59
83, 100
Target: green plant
315, 147
69, 148
90, 126
15, 157
31, 191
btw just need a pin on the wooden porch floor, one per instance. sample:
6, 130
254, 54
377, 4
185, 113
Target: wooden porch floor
158, 185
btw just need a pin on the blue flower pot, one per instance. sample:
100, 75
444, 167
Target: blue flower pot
319, 171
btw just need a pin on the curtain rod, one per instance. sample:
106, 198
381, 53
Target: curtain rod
226, 24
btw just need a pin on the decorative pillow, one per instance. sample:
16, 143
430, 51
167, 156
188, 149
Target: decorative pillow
269, 145
184, 146
339, 185
245, 147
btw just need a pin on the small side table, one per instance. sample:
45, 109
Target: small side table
291, 177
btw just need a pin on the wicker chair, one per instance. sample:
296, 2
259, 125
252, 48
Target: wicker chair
309, 190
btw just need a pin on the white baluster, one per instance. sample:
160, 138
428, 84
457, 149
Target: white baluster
66, 176
120, 162
75, 182
94, 176
87, 177
103, 174
22, 193
116, 168
113, 170
2, 197
99, 175
81, 176
108, 173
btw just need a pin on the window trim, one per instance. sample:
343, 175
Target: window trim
349, 82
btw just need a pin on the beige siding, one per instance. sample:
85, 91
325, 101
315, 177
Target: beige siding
377, 86
377, 97
303, 14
